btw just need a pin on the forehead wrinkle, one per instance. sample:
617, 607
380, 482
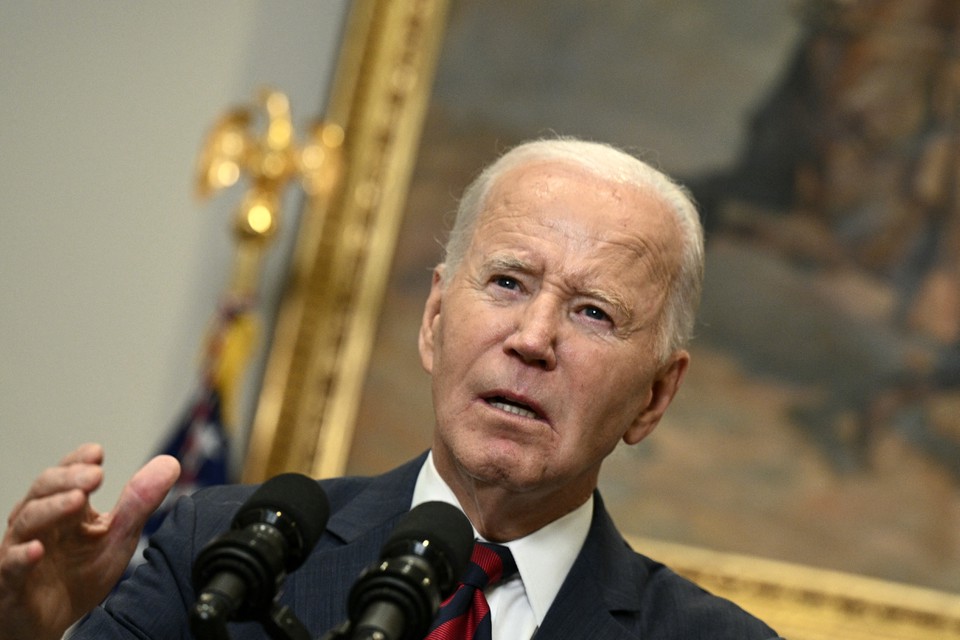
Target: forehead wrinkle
650, 253
648, 244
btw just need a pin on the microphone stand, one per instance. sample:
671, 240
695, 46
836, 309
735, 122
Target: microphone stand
280, 624
343, 631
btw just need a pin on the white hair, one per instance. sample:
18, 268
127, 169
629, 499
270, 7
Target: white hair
611, 164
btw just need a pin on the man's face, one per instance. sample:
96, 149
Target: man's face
542, 346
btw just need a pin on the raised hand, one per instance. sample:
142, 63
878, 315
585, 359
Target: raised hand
59, 556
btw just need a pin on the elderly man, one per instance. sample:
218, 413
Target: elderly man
554, 329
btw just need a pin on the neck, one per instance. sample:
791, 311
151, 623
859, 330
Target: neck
502, 514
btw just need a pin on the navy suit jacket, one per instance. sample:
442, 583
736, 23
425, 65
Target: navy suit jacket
611, 593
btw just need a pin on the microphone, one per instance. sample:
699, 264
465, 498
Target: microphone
238, 574
398, 597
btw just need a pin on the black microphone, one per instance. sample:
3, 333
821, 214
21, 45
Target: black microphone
237, 575
421, 564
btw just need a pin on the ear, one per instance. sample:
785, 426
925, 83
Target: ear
662, 391
430, 320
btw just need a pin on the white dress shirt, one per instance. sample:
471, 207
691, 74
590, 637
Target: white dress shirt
518, 606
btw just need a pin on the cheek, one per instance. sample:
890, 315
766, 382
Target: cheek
454, 348
469, 334
607, 396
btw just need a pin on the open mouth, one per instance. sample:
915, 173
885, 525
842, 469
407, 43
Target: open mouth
512, 406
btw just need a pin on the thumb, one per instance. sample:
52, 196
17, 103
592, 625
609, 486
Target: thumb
143, 494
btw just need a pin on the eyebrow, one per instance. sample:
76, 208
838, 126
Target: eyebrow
507, 263
609, 298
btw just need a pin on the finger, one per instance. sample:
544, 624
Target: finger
143, 494
57, 480
83, 476
17, 562
40, 517
88, 453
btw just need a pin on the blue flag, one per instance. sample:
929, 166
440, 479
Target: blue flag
201, 445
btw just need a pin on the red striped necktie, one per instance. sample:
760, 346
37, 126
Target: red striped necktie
465, 615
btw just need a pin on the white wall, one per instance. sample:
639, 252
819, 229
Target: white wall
109, 268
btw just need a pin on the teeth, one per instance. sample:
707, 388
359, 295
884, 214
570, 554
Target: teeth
512, 408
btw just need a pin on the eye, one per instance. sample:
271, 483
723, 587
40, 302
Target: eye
596, 313
506, 282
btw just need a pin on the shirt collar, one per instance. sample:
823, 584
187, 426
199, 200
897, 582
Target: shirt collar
543, 558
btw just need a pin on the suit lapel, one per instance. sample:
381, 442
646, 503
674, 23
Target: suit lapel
603, 582
378, 506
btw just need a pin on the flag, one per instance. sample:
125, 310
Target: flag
200, 440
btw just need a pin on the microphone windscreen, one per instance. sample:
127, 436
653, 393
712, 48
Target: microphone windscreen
298, 498
443, 526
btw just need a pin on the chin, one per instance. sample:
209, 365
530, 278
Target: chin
506, 466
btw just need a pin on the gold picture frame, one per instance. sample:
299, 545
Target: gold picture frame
327, 322
327, 318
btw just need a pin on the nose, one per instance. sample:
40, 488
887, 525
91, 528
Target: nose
534, 338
